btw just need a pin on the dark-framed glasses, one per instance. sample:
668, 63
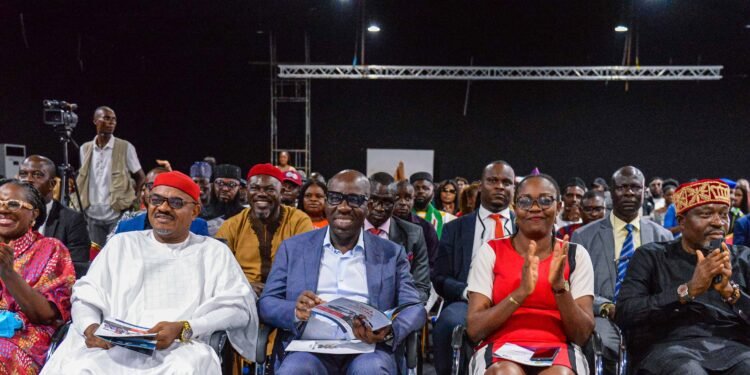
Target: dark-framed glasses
526, 202
174, 202
386, 203
449, 191
335, 198
226, 184
15, 205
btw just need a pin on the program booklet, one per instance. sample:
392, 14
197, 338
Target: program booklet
127, 335
343, 311
537, 356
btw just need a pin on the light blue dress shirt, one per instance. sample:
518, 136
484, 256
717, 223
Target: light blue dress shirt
341, 275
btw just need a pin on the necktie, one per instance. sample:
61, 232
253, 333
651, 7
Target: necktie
499, 227
375, 231
628, 248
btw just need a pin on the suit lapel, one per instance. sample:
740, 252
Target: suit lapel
312, 259
607, 236
374, 269
394, 233
467, 239
52, 220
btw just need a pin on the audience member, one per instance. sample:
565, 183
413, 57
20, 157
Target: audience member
318, 177
404, 210
447, 200
616, 236
254, 235
312, 202
467, 200
290, 188
670, 216
61, 222
225, 202
201, 173
601, 185
284, 165
656, 194
380, 222
684, 302
461, 183
572, 194
592, 209
424, 193
104, 181
341, 260
36, 275
181, 285
140, 220
463, 238
524, 289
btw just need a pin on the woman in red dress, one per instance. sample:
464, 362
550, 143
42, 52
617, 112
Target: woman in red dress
522, 290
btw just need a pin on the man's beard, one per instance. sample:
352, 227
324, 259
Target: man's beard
421, 206
226, 209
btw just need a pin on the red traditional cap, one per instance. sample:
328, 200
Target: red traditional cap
698, 193
179, 181
265, 169
292, 177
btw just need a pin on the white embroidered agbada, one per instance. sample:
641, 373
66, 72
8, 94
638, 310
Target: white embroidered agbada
142, 281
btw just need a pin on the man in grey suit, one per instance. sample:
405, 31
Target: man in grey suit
381, 222
611, 242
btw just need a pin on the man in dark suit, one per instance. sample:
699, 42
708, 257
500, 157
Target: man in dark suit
461, 238
612, 240
341, 260
380, 222
62, 223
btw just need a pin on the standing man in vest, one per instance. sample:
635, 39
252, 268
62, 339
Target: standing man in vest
108, 167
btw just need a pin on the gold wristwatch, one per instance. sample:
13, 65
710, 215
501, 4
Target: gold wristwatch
187, 331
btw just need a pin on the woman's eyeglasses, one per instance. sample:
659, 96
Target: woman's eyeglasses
544, 202
15, 205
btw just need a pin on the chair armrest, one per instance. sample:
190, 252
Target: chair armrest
457, 339
260, 349
217, 341
57, 338
412, 350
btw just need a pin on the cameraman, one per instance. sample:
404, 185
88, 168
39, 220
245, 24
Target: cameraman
108, 167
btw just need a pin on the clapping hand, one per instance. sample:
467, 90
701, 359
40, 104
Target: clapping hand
530, 273
6, 258
724, 288
559, 259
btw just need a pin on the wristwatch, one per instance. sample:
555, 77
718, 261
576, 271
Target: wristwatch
187, 332
684, 294
565, 288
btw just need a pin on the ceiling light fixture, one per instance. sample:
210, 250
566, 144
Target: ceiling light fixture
373, 29
621, 28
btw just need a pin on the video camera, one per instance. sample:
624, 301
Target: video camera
60, 114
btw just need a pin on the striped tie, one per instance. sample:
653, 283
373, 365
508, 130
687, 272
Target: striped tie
628, 248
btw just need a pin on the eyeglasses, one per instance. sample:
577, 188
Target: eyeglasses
354, 200
387, 204
624, 188
544, 202
15, 205
227, 184
451, 191
590, 209
174, 202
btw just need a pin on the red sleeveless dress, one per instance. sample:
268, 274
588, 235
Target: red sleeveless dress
536, 323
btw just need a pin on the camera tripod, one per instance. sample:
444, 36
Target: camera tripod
66, 170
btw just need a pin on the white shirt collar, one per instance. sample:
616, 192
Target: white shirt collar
484, 213
110, 143
328, 245
385, 227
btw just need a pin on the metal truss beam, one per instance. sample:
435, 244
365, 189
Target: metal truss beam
488, 73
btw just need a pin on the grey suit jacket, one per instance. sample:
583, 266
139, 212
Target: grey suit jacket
411, 237
599, 239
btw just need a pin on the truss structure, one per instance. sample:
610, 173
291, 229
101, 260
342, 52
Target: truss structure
488, 73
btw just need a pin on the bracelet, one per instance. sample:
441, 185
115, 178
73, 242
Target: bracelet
735, 294
513, 300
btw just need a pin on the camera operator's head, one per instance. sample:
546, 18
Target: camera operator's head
105, 121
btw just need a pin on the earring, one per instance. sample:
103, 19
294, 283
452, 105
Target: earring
33, 223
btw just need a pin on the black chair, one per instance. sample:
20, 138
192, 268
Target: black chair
263, 363
57, 339
463, 350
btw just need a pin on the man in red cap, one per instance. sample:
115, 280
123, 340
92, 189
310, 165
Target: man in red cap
256, 232
290, 185
181, 285
683, 304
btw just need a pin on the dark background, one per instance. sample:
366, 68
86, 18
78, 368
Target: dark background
186, 80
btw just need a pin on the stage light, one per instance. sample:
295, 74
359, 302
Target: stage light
621, 28
373, 29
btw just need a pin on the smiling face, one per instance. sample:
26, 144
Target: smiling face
172, 225
536, 221
263, 194
346, 220
704, 223
15, 223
